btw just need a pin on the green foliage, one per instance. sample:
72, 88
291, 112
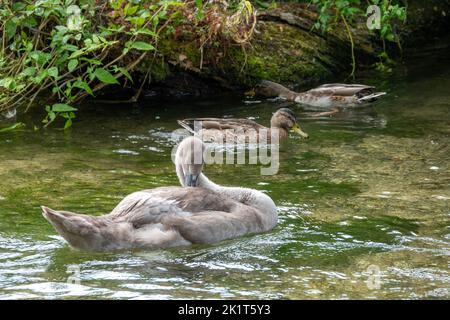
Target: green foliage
105, 76
332, 12
73, 48
13, 127
389, 14
59, 109
64, 46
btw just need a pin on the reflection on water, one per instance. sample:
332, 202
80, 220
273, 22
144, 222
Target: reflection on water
366, 198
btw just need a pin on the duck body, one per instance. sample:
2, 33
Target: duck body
169, 216
325, 96
233, 130
229, 130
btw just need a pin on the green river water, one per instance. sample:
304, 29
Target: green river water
364, 204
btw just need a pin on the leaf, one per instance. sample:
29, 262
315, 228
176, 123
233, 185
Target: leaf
92, 61
105, 76
144, 46
116, 4
95, 39
53, 72
199, 5
84, 86
90, 72
10, 28
76, 54
62, 29
68, 124
390, 37
7, 83
200, 15
40, 57
15, 126
69, 47
30, 71
29, 22
68, 91
62, 107
73, 10
125, 73
18, 6
51, 115
130, 10
137, 21
143, 31
41, 76
73, 63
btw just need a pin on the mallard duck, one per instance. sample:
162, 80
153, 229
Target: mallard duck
200, 211
242, 130
326, 95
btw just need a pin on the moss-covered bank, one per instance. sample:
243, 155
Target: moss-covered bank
286, 48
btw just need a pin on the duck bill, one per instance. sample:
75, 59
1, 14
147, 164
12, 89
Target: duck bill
192, 180
296, 128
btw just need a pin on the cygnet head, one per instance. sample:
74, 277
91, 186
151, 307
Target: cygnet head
189, 161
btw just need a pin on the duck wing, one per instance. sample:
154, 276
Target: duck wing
193, 125
151, 206
342, 89
145, 207
213, 226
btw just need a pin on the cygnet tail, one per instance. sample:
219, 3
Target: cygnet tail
79, 230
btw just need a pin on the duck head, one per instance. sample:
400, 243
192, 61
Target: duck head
285, 119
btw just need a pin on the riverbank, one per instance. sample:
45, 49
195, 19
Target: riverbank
181, 49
